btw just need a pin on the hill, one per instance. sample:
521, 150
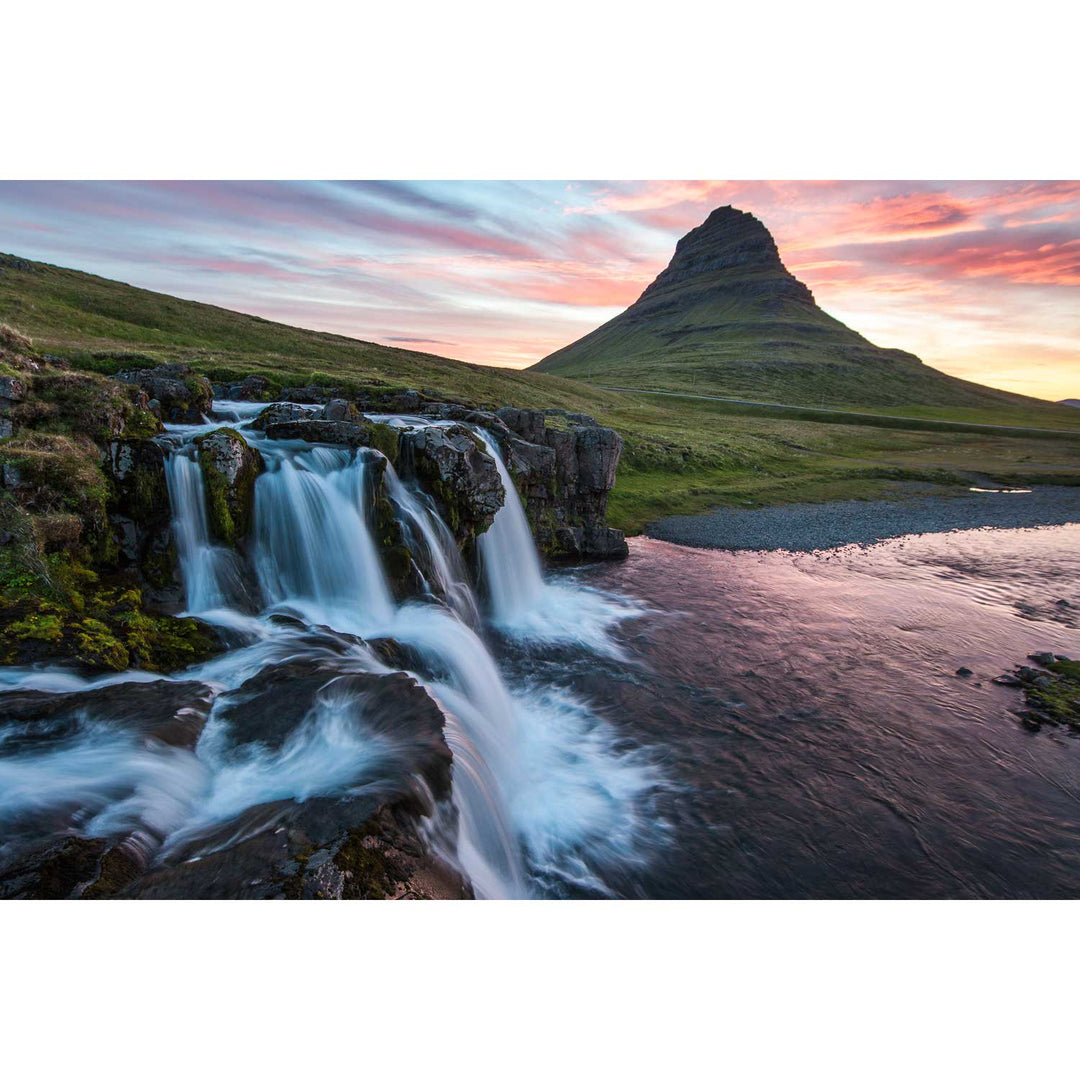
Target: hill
106, 325
727, 317
680, 455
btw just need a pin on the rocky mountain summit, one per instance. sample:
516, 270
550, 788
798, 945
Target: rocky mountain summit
727, 317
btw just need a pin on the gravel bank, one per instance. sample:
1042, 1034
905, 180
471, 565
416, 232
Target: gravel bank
813, 527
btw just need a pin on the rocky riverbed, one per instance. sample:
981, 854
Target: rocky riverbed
818, 526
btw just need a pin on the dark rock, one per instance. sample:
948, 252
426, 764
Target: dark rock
339, 409
281, 412
182, 396
173, 713
1043, 658
140, 515
308, 395
964, 672
455, 468
336, 432
527, 423
253, 388
1062, 603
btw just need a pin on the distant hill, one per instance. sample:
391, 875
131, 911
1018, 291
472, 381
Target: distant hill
104, 325
1070, 401
726, 317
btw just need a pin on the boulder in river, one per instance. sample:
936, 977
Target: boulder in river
278, 413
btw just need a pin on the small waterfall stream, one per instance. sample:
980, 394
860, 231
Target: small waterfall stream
541, 792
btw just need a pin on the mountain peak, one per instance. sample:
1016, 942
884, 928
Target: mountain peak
727, 317
729, 245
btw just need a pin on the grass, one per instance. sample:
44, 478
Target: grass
682, 455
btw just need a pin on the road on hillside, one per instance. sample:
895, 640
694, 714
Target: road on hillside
841, 412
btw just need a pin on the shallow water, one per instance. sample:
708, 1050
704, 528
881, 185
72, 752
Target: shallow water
815, 737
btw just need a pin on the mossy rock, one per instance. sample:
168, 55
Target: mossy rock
229, 468
54, 607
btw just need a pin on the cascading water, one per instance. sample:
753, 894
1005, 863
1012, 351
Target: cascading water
511, 565
544, 798
313, 549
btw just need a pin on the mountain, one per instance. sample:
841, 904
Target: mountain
727, 317
1075, 402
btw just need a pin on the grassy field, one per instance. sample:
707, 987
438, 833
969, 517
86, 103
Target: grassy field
681, 454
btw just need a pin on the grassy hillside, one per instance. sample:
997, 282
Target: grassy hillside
681, 454
727, 318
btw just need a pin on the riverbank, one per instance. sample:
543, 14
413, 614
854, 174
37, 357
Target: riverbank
818, 526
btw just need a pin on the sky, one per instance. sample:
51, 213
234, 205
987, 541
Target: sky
979, 279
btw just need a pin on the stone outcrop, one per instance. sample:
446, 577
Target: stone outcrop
140, 515
335, 432
230, 468
564, 476
175, 392
452, 465
281, 412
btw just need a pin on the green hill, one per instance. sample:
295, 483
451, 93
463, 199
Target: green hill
726, 317
105, 325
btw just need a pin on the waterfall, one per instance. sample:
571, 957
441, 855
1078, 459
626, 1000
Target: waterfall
432, 545
542, 794
511, 565
314, 552
210, 573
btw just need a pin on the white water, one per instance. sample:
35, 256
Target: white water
543, 796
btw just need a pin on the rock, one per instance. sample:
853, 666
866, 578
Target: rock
12, 389
340, 409
308, 395
407, 401
527, 423
281, 412
230, 468
253, 388
173, 713
1062, 603
1007, 680
964, 672
183, 397
1043, 658
336, 432
140, 515
454, 467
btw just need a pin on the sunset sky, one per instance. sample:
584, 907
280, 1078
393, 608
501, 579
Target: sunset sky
980, 279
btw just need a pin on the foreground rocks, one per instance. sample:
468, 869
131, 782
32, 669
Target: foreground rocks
360, 842
1051, 690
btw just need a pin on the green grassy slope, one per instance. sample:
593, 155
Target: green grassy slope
681, 455
726, 317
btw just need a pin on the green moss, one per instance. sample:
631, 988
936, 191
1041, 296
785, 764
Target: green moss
386, 440
370, 873
1058, 702
228, 510
54, 607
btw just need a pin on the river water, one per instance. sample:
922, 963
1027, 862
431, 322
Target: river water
684, 724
